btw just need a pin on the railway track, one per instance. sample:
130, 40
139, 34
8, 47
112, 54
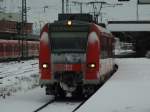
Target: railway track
76, 107
61, 101
79, 106
45, 105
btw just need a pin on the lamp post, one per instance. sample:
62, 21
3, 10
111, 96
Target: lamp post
46, 6
63, 7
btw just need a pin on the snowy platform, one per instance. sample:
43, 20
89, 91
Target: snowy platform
128, 90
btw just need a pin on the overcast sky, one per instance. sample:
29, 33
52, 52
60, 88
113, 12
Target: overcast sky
127, 11
36, 13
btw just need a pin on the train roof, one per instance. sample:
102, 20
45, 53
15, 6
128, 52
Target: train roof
76, 16
74, 22
57, 26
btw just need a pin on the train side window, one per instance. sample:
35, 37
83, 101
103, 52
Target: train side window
30, 46
33, 47
7, 49
0, 48
10, 47
15, 48
3, 48
110, 47
105, 47
102, 47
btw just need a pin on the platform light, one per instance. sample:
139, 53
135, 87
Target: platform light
92, 65
69, 22
45, 65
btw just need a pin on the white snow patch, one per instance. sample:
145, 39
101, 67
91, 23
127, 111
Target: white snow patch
127, 90
44, 37
17, 76
25, 95
93, 37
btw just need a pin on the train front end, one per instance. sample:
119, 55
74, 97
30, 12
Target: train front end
63, 57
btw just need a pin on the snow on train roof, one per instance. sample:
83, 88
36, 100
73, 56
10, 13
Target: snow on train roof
94, 38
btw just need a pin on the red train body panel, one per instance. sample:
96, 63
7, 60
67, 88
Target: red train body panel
74, 58
45, 54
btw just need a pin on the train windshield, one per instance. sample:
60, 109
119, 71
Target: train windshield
68, 41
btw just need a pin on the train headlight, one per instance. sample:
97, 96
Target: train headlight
69, 22
45, 65
92, 65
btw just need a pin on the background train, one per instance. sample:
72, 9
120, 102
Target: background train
17, 41
75, 56
17, 49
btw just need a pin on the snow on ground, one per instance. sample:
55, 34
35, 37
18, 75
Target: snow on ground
128, 90
16, 77
29, 101
24, 101
64, 106
20, 92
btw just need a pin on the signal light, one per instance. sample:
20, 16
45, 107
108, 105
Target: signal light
45, 65
92, 65
69, 22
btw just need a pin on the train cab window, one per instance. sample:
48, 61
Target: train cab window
69, 41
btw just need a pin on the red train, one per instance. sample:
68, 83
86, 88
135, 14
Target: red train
75, 57
11, 49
